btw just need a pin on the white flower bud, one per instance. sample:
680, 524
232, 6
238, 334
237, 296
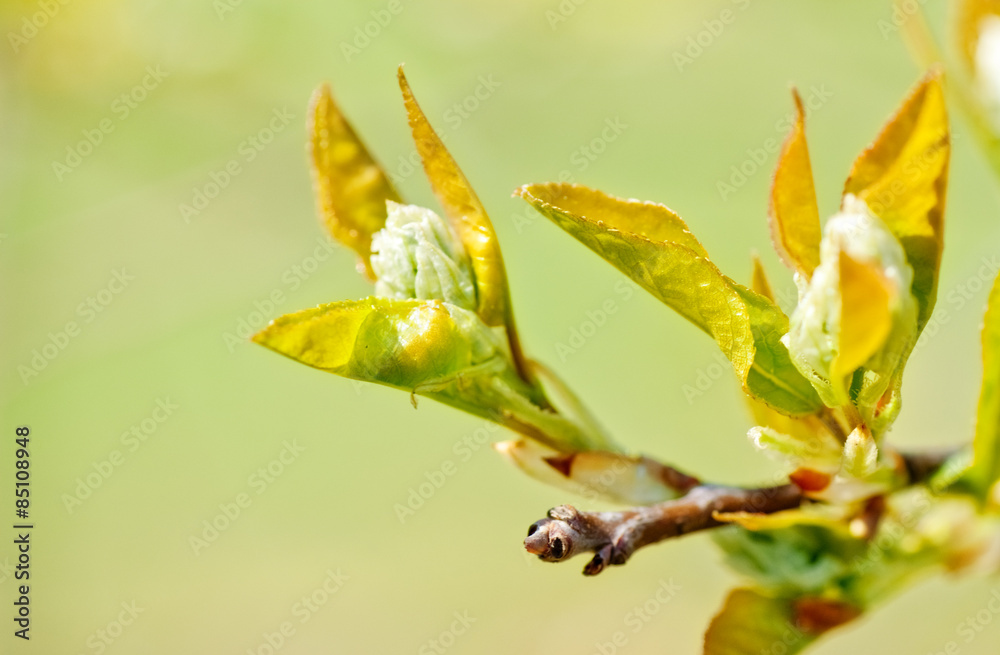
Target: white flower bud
813, 338
416, 255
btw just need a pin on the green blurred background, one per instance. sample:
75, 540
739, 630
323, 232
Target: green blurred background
223, 70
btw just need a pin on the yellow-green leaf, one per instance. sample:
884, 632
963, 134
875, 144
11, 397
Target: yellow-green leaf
799, 426
650, 220
759, 282
428, 348
903, 176
752, 623
465, 211
986, 446
351, 188
865, 318
771, 377
636, 239
793, 212
407, 344
673, 272
831, 517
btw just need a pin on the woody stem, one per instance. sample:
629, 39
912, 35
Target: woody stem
613, 537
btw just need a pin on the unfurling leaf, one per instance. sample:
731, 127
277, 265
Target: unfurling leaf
759, 282
429, 348
856, 311
865, 319
466, 213
903, 176
351, 189
651, 245
416, 256
594, 474
751, 623
794, 213
985, 469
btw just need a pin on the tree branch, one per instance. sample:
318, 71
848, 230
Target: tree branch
614, 536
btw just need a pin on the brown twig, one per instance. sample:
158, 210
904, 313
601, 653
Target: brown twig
614, 536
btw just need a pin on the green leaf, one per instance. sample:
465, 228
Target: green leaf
651, 245
793, 212
467, 215
351, 189
428, 348
751, 623
903, 176
771, 377
985, 469
796, 560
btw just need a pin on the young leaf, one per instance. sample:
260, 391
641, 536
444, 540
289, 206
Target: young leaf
772, 377
351, 189
830, 517
865, 319
465, 211
793, 212
428, 348
985, 469
759, 282
637, 239
407, 344
648, 220
903, 176
751, 623
803, 427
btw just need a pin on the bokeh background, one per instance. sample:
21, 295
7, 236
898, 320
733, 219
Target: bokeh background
230, 75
